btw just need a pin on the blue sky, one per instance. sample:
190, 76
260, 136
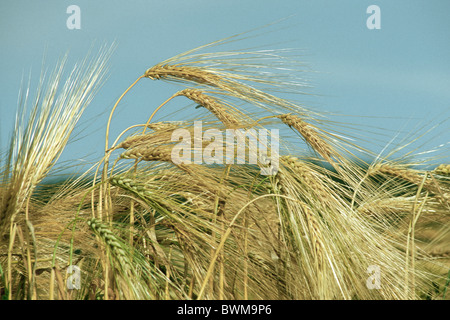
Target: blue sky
396, 78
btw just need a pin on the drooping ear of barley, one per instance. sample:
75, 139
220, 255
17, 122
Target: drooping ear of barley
408, 175
191, 74
165, 126
134, 276
237, 74
228, 86
212, 105
131, 185
113, 242
310, 135
148, 153
156, 138
443, 169
318, 189
330, 148
36, 145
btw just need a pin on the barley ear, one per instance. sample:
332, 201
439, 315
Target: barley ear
310, 135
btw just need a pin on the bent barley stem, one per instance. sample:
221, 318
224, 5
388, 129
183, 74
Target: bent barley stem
155, 111
104, 193
411, 237
114, 108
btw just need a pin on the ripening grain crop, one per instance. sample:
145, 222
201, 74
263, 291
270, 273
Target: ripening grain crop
140, 226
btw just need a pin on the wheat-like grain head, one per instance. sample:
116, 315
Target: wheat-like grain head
317, 188
148, 153
409, 175
212, 105
165, 125
310, 134
112, 241
443, 169
191, 74
237, 74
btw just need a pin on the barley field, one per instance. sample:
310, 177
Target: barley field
326, 224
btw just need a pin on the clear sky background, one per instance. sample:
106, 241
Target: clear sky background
396, 78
